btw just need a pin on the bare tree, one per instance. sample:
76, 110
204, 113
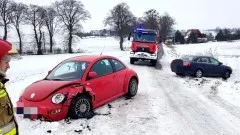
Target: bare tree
217, 29
166, 23
6, 15
137, 23
50, 22
19, 11
238, 33
71, 13
151, 18
36, 15
120, 19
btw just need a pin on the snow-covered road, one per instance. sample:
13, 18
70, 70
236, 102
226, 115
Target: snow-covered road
171, 107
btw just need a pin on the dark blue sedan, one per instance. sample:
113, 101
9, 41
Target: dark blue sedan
200, 66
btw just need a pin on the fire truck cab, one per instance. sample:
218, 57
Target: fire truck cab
144, 45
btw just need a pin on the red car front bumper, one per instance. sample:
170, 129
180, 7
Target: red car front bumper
44, 110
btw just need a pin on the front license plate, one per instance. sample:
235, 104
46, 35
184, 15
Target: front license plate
142, 55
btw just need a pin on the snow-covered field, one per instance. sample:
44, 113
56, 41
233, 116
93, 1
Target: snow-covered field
165, 104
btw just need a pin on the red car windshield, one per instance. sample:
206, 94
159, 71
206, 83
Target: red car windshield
66, 71
144, 37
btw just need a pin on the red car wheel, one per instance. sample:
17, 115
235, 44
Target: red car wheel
132, 88
80, 106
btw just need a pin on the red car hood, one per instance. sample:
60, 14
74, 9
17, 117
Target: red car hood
42, 89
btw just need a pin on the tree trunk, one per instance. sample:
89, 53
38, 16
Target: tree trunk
39, 52
20, 40
70, 42
39, 44
5, 31
50, 38
36, 38
51, 42
121, 43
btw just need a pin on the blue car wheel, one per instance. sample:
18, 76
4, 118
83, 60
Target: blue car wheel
199, 73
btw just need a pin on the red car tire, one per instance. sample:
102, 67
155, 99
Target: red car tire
80, 106
132, 87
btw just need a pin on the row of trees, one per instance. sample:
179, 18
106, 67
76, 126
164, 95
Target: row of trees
226, 35
122, 21
68, 13
222, 35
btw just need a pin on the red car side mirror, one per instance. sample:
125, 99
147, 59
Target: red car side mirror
49, 72
92, 75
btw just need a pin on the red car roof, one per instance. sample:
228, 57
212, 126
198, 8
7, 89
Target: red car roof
89, 58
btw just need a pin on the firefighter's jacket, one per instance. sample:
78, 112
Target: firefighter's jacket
8, 125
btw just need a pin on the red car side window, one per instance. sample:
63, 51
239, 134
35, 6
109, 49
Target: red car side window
102, 67
118, 65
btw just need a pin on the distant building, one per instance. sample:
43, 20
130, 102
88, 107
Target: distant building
95, 32
103, 32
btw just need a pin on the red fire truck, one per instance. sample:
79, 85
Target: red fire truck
144, 45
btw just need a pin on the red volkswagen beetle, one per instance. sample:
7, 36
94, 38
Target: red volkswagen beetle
76, 86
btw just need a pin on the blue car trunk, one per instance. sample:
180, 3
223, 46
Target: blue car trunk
177, 66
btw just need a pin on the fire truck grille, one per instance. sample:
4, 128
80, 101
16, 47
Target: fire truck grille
142, 49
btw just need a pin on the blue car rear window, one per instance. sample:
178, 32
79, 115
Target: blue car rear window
188, 58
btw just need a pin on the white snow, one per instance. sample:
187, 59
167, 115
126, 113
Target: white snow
165, 104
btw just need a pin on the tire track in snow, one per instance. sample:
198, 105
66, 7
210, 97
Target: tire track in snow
137, 112
234, 110
166, 120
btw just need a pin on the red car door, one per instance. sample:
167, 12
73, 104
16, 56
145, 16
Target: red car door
120, 71
104, 85
97, 87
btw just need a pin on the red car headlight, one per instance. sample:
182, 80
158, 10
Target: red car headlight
58, 98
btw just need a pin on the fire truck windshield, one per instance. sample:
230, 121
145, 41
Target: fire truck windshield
144, 37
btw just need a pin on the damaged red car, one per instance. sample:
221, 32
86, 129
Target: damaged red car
76, 86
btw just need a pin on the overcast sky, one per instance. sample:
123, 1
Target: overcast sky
202, 14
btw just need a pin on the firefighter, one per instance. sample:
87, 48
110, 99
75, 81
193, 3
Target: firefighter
8, 124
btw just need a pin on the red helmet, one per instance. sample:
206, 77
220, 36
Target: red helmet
5, 47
